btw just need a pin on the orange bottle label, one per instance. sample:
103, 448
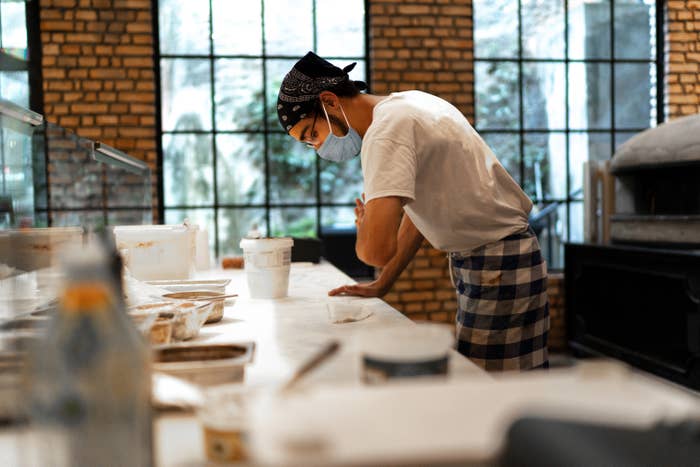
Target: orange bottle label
86, 297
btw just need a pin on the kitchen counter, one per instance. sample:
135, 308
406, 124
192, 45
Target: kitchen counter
286, 332
462, 420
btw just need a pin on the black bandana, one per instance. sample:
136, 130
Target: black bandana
300, 88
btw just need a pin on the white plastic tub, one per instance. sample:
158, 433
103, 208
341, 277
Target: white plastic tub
267, 262
405, 351
36, 248
153, 252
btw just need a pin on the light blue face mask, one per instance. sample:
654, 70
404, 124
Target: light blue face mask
340, 148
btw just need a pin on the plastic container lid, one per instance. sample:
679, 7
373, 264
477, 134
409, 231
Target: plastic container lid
266, 244
409, 343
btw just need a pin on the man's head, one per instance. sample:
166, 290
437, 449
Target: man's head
309, 93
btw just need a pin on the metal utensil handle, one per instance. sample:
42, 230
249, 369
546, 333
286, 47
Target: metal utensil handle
327, 351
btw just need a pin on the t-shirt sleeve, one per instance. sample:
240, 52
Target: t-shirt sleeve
389, 169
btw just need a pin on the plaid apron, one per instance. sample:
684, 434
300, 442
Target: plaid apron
503, 313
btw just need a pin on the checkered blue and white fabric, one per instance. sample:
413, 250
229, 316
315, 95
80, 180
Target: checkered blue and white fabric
503, 314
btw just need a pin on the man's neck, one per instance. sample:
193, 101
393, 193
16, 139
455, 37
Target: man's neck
360, 110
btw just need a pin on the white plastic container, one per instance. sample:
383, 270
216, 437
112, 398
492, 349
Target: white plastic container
267, 262
157, 251
405, 351
37, 248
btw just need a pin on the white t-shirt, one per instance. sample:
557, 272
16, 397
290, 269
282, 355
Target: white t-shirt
421, 147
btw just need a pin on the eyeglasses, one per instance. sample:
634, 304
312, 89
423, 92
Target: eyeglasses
310, 140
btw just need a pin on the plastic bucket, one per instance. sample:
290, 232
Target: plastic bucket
267, 262
405, 351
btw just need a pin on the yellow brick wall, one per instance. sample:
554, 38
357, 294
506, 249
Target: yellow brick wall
98, 73
683, 58
428, 46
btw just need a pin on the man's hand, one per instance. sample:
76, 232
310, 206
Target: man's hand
367, 289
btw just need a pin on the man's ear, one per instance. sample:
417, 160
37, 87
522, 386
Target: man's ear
329, 99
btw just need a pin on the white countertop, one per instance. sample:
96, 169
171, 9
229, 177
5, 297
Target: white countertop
287, 332
461, 420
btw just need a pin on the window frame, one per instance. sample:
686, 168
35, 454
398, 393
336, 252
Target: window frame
657, 60
268, 130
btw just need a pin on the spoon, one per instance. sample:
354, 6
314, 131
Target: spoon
319, 357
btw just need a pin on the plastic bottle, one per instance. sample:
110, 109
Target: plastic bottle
89, 381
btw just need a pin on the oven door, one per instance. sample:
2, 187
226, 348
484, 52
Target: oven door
640, 305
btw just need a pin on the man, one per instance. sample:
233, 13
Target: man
429, 175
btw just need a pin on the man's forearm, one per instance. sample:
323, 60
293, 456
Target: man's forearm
409, 240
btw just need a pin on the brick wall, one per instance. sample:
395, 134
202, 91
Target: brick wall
426, 45
683, 58
98, 73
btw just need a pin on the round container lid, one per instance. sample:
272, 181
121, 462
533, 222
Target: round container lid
266, 244
410, 343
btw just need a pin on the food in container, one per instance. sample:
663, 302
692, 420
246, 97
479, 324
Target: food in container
204, 364
420, 349
143, 319
217, 310
189, 318
183, 318
225, 422
161, 331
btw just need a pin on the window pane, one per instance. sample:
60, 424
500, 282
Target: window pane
341, 182
76, 181
130, 217
576, 222
589, 96
544, 95
14, 86
234, 224
495, 28
550, 227
184, 27
275, 70
589, 29
89, 219
338, 218
290, 32
14, 25
126, 189
293, 222
240, 169
186, 94
238, 94
634, 29
585, 147
634, 93
545, 165
497, 95
292, 170
237, 27
543, 28
340, 27
506, 146
187, 176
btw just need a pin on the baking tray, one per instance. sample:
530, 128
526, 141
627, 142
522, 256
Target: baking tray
204, 364
214, 285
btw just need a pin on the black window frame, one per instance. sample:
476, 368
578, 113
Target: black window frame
331, 238
550, 204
